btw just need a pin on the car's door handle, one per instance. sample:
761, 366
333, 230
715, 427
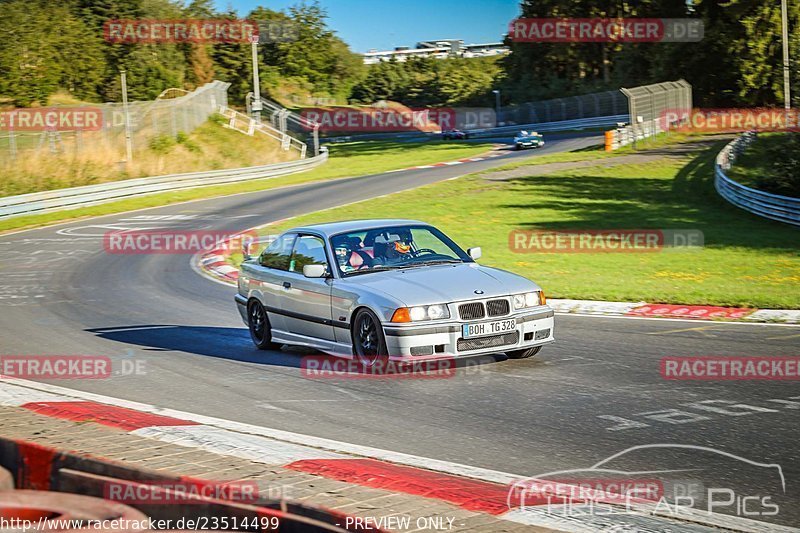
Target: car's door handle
287, 285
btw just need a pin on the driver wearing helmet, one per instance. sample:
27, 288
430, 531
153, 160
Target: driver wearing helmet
393, 245
350, 253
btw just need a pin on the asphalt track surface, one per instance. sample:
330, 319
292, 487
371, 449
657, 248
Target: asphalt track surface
597, 391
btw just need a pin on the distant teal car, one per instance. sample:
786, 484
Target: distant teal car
526, 139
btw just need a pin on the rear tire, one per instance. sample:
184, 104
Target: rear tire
260, 330
523, 354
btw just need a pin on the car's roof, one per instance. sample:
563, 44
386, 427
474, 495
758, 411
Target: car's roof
333, 228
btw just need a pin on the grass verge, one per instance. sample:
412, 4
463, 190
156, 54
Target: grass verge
351, 159
96, 159
770, 164
746, 261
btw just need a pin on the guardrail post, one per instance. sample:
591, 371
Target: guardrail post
12, 143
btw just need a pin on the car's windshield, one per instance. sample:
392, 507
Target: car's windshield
394, 247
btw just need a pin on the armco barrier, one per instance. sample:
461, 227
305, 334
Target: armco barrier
44, 202
41, 468
773, 206
563, 125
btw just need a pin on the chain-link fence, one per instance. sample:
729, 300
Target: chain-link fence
603, 104
645, 105
173, 112
289, 122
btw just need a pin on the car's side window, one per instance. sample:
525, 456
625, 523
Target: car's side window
308, 250
278, 254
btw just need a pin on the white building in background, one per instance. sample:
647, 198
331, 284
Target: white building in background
437, 49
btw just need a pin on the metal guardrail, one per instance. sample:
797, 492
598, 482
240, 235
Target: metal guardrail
773, 206
249, 127
45, 202
287, 121
562, 125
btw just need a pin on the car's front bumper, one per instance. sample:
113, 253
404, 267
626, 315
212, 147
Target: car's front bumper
534, 327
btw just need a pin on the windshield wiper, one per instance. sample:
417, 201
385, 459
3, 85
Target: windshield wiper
440, 262
372, 269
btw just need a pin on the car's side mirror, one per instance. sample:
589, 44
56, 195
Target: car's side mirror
315, 271
475, 253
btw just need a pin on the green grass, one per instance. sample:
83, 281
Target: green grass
755, 161
351, 159
746, 261
210, 146
769, 164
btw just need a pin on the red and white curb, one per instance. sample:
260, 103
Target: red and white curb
450, 163
675, 311
471, 488
216, 265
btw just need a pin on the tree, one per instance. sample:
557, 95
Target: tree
38, 49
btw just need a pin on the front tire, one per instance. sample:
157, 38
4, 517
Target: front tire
369, 343
258, 324
523, 354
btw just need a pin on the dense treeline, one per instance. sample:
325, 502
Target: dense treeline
738, 62
428, 81
50, 46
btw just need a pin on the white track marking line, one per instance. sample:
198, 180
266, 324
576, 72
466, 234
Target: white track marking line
294, 438
245, 446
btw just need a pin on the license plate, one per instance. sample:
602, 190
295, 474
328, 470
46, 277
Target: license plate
482, 329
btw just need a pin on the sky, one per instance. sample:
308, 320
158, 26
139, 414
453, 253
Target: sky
384, 24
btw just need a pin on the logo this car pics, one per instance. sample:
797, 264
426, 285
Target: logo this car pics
688, 480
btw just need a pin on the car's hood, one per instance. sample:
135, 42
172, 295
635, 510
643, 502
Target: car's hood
445, 283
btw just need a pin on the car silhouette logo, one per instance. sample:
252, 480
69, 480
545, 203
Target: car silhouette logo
478, 291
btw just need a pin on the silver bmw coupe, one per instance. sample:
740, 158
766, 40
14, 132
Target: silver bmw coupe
387, 289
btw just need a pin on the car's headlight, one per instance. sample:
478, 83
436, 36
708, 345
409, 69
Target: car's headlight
529, 299
422, 312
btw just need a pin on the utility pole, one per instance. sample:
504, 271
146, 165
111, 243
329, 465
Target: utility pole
256, 107
128, 138
787, 98
497, 106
